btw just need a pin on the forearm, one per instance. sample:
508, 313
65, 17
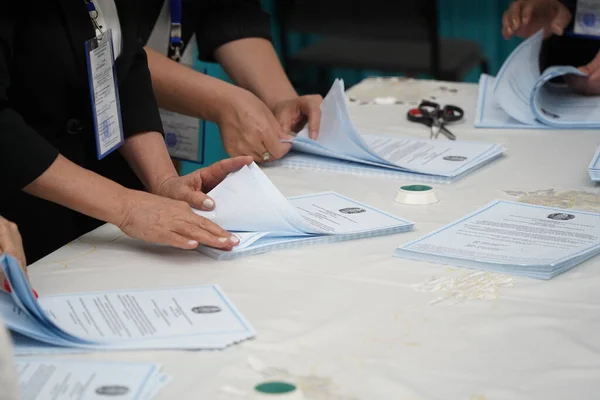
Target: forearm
147, 155
253, 64
79, 189
183, 90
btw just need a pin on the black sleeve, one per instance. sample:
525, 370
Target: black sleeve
139, 109
217, 22
24, 154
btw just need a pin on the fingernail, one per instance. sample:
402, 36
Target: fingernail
35, 294
7, 286
208, 203
223, 240
193, 243
234, 239
313, 134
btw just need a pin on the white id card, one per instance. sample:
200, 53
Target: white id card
587, 18
102, 79
182, 136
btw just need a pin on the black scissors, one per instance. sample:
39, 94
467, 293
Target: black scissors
432, 115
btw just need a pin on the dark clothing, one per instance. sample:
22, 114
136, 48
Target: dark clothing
45, 110
568, 50
215, 22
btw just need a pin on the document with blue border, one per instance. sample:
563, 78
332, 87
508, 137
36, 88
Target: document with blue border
55, 379
249, 205
194, 318
522, 96
341, 148
514, 238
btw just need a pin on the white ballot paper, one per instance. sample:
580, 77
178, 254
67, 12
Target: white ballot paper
341, 148
522, 96
53, 379
249, 205
515, 238
173, 318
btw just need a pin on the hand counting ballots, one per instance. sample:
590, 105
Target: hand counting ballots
249, 205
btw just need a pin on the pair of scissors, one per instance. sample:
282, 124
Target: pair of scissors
434, 116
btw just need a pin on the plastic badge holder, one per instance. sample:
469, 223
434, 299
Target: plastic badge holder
416, 195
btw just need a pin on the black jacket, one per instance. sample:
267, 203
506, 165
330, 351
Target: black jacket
45, 109
215, 22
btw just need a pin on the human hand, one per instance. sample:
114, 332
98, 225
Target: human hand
11, 244
293, 114
158, 219
525, 17
248, 128
590, 84
190, 188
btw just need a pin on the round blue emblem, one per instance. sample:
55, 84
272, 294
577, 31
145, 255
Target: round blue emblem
589, 19
171, 139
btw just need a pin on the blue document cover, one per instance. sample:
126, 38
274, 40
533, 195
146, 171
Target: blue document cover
522, 96
250, 206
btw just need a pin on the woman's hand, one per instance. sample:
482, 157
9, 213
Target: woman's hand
11, 244
161, 220
525, 17
190, 188
248, 128
294, 113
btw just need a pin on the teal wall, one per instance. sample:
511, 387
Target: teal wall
470, 19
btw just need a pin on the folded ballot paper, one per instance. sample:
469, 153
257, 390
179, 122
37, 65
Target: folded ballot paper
594, 167
54, 379
513, 238
340, 148
522, 96
192, 318
249, 205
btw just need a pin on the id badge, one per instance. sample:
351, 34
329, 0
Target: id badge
587, 18
183, 136
106, 109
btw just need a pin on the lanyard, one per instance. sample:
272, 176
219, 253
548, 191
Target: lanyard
94, 17
175, 42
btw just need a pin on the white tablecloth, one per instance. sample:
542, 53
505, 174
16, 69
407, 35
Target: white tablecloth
349, 321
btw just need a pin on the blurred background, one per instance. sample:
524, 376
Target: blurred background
319, 40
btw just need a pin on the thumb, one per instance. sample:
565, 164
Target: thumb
199, 200
561, 20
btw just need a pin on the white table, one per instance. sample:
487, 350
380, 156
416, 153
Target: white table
349, 321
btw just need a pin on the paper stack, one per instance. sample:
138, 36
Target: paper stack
173, 318
514, 238
50, 379
523, 97
340, 148
249, 205
594, 167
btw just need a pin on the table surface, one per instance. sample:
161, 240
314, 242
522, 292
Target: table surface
348, 320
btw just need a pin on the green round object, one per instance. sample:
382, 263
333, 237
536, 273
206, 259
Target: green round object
275, 388
416, 188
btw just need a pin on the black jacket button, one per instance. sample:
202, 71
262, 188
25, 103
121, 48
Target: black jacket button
74, 126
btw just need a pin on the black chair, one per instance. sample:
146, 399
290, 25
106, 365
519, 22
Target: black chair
399, 36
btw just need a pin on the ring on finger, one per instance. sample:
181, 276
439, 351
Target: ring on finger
266, 156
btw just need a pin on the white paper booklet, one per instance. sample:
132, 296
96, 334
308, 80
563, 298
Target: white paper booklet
340, 148
192, 318
249, 205
54, 379
522, 96
514, 238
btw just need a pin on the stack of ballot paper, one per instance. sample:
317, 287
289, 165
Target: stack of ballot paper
174, 318
594, 167
340, 148
249, 205
50, 379
524, 97
514, 238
